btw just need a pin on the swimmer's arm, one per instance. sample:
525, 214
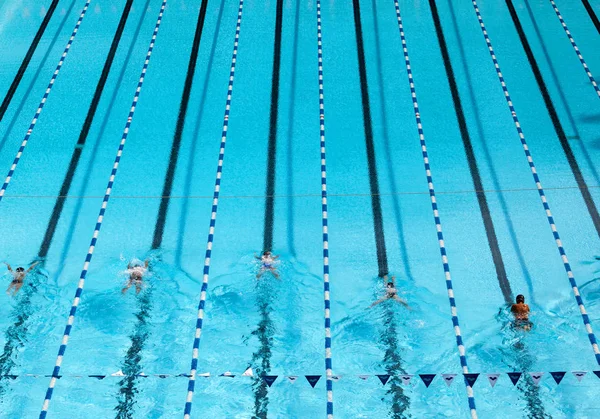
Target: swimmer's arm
33, 265
146, 263
401, 301
394, 281
378, 302
8, 266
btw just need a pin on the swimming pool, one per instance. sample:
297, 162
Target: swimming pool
246, 73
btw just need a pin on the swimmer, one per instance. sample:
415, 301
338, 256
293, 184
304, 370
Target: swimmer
391, 293
18, 277
136, 273
521, 312
268, 263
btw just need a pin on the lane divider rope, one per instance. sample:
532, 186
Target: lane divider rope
213, 219
328, 362
43, 101
576, 48
561, 250
436, 216
88, 258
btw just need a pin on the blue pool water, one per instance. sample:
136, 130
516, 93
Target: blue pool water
372, 145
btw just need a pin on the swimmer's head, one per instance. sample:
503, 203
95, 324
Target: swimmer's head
267, 253
20, 269
520, 299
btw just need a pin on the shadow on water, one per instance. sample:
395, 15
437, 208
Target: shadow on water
488, 158
386, 144
16, 334
192, 153
518, 358
392, 362
262, 357
131, 366
35, 77
561, 93
94, 152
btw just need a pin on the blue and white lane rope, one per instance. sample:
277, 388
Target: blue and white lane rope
436, 216
88, 258
43, 101
213, 219
328, 363
561, 250
583, 63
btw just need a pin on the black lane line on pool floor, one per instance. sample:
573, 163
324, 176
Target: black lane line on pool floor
131, 365
392, 359
96, 145
592, 14
265, 329
85, 130
189, 173
159, 227
524, 360
484, 208
272, 145
34, 78
382, 262
558, 128
15, 333
25, 63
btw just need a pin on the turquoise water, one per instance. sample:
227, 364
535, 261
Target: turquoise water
281, 322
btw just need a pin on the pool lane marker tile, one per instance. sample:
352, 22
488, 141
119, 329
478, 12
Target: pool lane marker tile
43, 101
328, 363
583, 63
436, 216
213, 219
561, 250
88, 258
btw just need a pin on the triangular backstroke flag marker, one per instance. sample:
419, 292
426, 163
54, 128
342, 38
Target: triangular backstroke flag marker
269, 379
313, 379
227, 374
448, 378
493, 379
184, 374
597, 373
118, 374
406, 378
202, 374
558, 376
427, 379
162, 375
99, 377
471, 378
336, 378
536, 377
579, 374
142, 374
292, 378
383, 378
364, 377
248, 373
514, 377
